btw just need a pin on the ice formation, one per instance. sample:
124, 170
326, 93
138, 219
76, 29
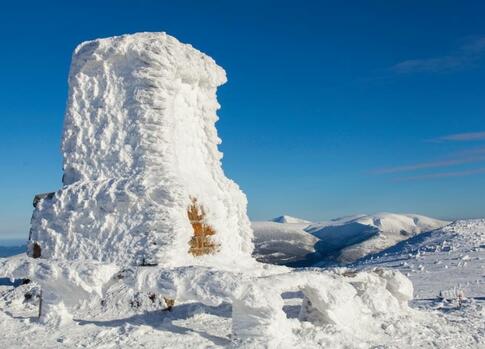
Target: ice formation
355, 303
140, 149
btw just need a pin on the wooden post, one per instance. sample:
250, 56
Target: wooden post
40, 303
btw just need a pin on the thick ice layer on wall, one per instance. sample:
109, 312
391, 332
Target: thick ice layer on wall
139, 144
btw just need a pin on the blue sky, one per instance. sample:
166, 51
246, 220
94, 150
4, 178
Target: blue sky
331, 108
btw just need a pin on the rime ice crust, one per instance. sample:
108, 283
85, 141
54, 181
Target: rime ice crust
139, 142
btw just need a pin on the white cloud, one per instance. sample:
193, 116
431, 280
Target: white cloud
464, 57
462, 137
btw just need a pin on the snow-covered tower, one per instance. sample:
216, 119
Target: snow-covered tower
143, 182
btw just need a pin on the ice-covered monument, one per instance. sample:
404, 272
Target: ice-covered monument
143, 182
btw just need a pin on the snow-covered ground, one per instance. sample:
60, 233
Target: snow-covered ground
446, 267
339, 311
451, 259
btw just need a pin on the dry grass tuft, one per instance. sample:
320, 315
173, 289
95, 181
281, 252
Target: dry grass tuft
169, 302
201, 243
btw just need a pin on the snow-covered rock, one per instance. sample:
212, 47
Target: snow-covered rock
350, 238
139, 148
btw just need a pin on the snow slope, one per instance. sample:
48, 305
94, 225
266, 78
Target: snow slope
139, 144
282, 243
451, 258
447, 268
347, 239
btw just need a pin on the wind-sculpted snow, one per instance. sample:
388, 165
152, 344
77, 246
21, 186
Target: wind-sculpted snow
139, 145
356, 305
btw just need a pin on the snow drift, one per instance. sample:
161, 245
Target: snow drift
139, 148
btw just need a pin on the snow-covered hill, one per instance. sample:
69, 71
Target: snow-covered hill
350, 238
295, 242
282, 243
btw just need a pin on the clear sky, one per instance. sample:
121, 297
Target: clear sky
331, 108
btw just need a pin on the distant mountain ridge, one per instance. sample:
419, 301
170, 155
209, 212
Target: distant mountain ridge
282, 243
353, 237
7, 251
297, 242
289, 220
